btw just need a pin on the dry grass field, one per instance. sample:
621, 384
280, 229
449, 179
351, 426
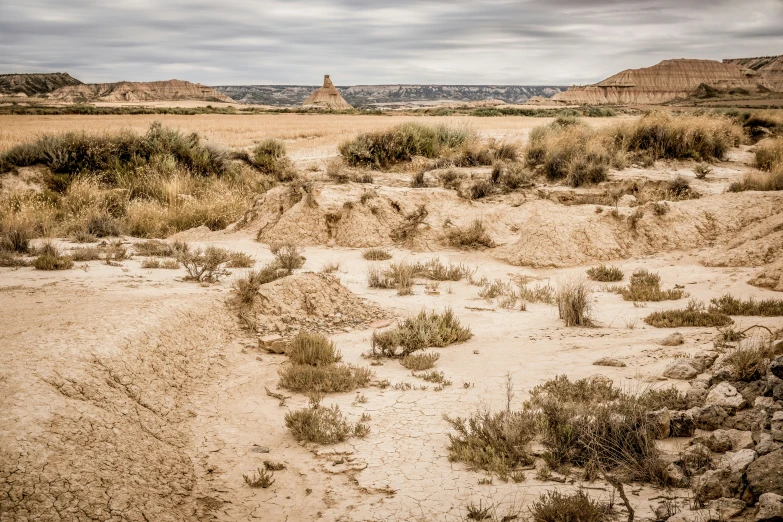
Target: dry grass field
365, 318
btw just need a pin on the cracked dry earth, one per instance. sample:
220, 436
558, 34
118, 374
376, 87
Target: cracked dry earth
129, 394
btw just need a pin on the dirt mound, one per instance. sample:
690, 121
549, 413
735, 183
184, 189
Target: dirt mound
551, 237
35, 84
315, 302
664, 82
770, 277
97, 414
138, 92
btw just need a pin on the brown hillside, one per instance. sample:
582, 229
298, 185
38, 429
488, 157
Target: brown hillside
138, 92
34, 84
770, 68
666, 81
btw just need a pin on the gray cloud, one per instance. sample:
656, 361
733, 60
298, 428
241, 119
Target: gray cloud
383, 41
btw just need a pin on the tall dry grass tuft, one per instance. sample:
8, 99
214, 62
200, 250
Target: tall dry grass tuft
146, 185
574, 302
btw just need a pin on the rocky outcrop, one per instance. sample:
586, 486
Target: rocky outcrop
170, 90
34, 84
327, 97
770, 68
672, 79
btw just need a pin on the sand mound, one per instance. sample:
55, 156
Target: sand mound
315, 302
734, 229
771, 277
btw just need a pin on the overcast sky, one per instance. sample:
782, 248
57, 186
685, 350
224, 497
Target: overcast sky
220, 42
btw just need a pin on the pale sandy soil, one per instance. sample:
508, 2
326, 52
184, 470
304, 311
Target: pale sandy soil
129, 394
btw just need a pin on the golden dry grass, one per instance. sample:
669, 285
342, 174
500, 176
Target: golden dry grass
307, 136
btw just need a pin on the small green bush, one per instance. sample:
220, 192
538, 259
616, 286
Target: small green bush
312, 349
554, 506
646, 286
605, 274
730, 305
326, 378
419, 332
376, 254
694, 314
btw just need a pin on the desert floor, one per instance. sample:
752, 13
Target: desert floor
125, 387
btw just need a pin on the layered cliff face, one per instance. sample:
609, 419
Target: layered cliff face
34, 84
769, 68
667, 81
138, 92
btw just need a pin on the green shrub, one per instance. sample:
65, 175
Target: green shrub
694, 314
325, 378
554, 506
312, 349
646, 286
730, 305
205, 265
420, 361
419, 332
321, 425
605, 274
493, 442
401, 143
270, 157
288, 256
376, 254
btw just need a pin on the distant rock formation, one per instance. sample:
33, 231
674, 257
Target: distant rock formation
364, 95
31, 85
672, 79
770, 68
171, 90
327, 97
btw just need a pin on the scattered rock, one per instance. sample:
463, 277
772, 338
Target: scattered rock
681, 369
676, 476
715, 484
609, 361
696, 458
662, 420
765, 474
259, 449
724, 508
709, 417
697, 394
770, 507
627, 200
717, 441
776, 426
766, 444
273, 343
682, 424
705, 361
739, 461
767, 403
776, 366
675, 339
726, 396
751, 391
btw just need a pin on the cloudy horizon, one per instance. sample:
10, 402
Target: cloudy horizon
235, 42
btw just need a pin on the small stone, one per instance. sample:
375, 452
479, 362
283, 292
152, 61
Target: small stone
676, 476
776, 426
776, 366
716, 484
724, 508
726, 396
681, 369
675, 339
259, 449
770, 507
709, 417
627, 200
717, 441
609, 361
682, 424
765, 474
739, 461
662, 421
766, 445
696, 458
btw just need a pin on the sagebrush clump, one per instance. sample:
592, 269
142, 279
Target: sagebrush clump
427, 329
